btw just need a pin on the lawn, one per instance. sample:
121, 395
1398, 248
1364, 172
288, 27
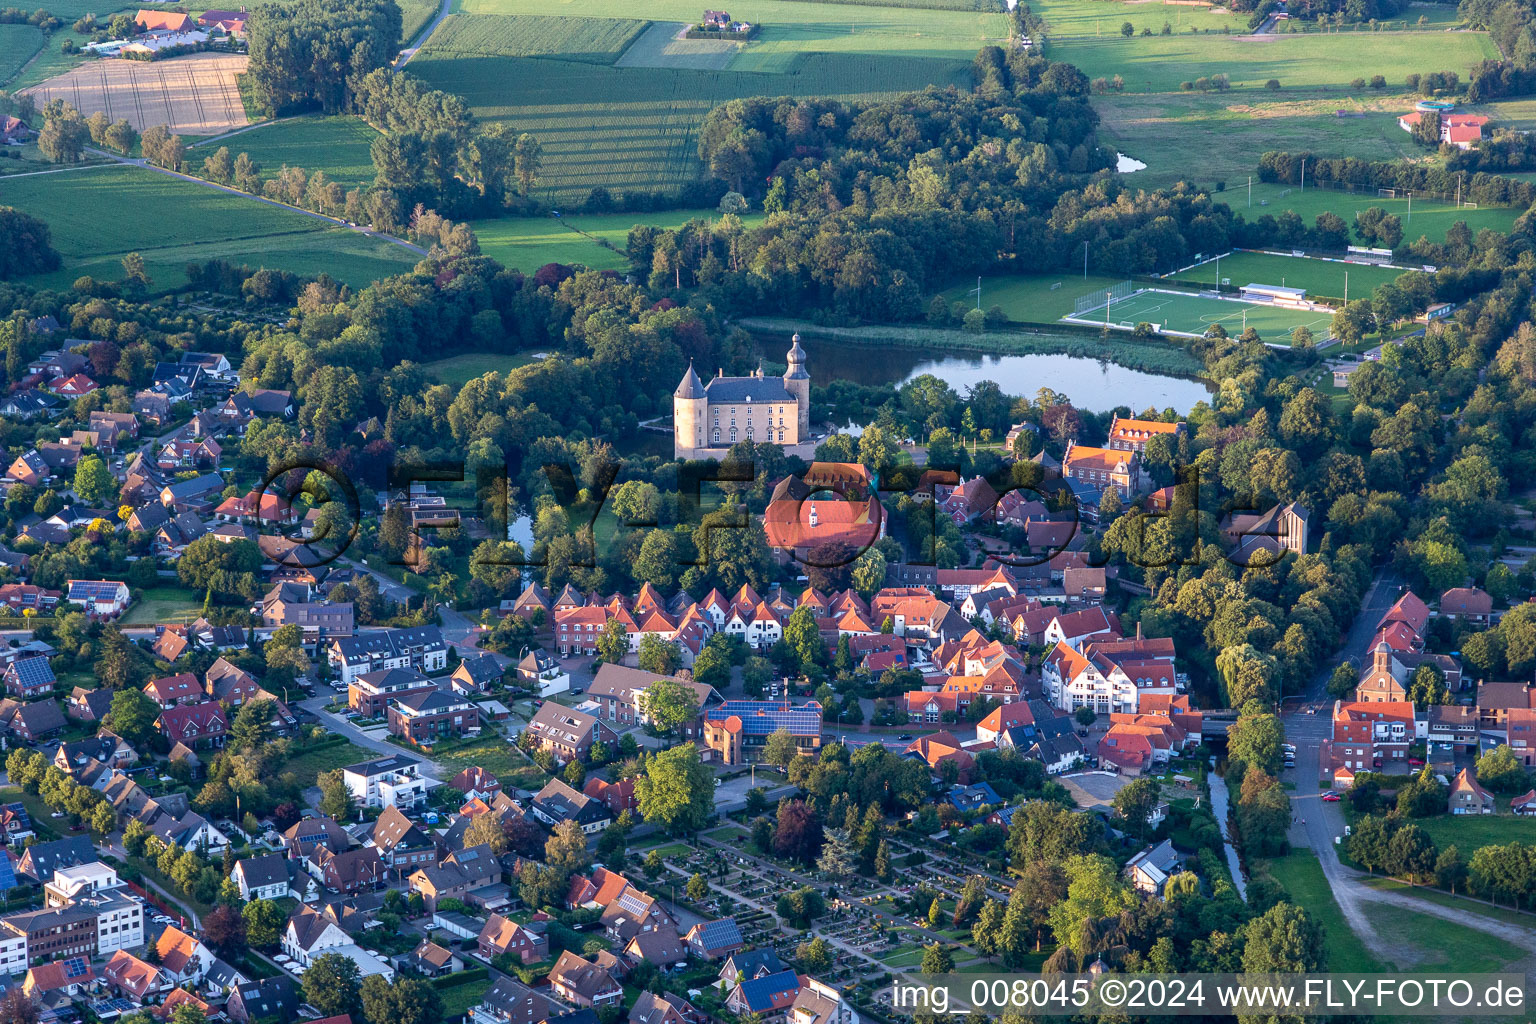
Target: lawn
1031, 298
1160, 63
336, 145
1469, 832
176, 221
1429, 943
17, 45
458, 999
1321, 278
455, 370
164, 604
529, 243
1067, 18
315, 762
602, 123
493, 753
1299, 873
903, 956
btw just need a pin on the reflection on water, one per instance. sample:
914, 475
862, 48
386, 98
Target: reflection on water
1126, 164
1092, 384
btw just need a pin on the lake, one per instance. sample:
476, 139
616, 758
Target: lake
1090, 383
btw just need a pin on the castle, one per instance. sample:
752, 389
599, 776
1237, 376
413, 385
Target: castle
708, 418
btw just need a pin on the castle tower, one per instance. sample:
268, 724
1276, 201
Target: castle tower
798, 383
689, 411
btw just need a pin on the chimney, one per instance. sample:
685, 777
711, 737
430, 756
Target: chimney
1138, 631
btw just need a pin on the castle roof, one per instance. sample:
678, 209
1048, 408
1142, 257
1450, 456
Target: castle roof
691, 387
796, 360
748, 389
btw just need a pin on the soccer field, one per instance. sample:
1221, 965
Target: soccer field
1193, 314
1319, 277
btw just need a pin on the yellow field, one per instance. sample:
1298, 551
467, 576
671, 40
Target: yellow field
192, 95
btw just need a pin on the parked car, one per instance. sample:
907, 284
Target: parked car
1417, 762
1331, 798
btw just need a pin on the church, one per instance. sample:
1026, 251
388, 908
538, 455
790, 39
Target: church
708, 418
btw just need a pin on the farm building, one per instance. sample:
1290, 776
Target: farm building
230, 22
162, 21
14, 131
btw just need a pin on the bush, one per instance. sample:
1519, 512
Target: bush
1357, 83
1187, 86
1378, 81
1273, 85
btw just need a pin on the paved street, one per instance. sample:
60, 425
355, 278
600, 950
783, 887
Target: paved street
342, 727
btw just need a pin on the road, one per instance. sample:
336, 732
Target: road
1381, 595
425, 34
365, 232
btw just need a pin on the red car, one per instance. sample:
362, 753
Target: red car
1417, 762
1331, 798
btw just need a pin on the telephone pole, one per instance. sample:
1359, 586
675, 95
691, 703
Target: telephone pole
1303, 174
1085, 259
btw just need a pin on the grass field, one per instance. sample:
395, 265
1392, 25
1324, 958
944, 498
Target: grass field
455, 370
1318, 277
164, 604
1160, 63
629, 123
529, 243
1431, 217
1432, 943
315, 762
336, 145
1161, 131
414, 16
17, 45
1469, 832
1067, 18
584, 40
176, 221
1299, 873
1032, 298
1192, 314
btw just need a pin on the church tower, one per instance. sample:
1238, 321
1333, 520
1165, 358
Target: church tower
689, 411
798, 383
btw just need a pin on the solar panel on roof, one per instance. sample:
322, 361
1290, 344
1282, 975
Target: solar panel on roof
75, 967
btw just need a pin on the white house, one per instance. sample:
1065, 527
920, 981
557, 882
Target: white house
262, 878
393, 781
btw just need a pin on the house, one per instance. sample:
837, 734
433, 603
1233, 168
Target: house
939, 749
1524, 804
196, 725
370, 693
558, 802
509, 1001
429, 716
475, 781
128, 976
14, 132
403, 846
420, 648
1460, 130
271, 998
712, 940
620, 695
196, 494
173, 691
183, 957
37, 721
476, 674
502, 935
310, 832
1468, 797
430, 960
770, 995
803, 517
540, 671
28, 678
568, 734
100, 599
619, 795
665, 1008
660, 946
89, 705
583, 983
69, 978
28, 404
750, 964
1149, 870
1101, 468
351, 871
530, 602
1467, 604
20, 597
261, 878
458, 876
737, 728
1368, 734
393, 781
